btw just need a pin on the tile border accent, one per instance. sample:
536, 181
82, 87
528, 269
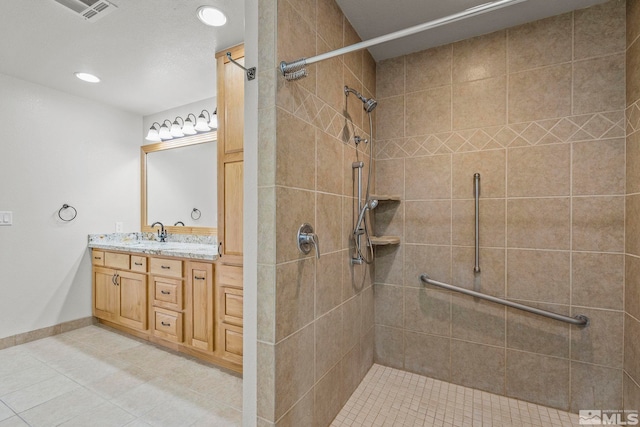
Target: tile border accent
584, 127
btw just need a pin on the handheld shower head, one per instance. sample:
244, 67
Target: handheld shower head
370, 204
369, 103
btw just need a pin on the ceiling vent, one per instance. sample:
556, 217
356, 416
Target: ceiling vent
91, 10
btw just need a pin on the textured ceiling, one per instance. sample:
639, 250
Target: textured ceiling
154, 55
151, 55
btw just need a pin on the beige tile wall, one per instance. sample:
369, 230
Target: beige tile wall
632, 260
316, 322
539, 111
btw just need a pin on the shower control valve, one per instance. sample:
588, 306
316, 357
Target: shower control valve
307, 238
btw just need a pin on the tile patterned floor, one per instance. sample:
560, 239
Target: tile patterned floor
394, 398
98, 378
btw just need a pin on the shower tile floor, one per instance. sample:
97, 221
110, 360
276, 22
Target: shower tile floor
94, 377
391, 397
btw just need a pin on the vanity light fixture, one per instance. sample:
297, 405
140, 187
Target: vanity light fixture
90, 78
176, 129
213, 123
202, 122
211, 16
165, 133
153, 134
190, 126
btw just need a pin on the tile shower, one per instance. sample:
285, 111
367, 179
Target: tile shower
543, 113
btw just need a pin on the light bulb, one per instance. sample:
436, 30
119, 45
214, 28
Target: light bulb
188, 128
164, 132
201, 124
175, 129
213, 123
153, 135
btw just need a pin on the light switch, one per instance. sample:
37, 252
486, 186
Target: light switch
6, 218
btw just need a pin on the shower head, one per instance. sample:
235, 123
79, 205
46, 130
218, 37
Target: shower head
369, 204
369, 104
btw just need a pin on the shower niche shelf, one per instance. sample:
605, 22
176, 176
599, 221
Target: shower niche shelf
385, 240
385, 197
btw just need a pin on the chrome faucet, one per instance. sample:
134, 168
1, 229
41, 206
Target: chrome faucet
162, 233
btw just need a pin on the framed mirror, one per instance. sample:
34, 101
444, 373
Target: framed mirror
179, 185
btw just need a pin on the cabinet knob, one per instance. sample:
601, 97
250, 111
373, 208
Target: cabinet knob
165, 267
165, 324
137, 263
165, 292
199, 278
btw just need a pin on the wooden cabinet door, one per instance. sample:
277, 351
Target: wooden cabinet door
233, 209
200, 305
229, 312
106, 295
133, 299
230, 104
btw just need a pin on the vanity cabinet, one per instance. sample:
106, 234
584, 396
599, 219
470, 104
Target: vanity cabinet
167, 288
119, 295
200, 330
190, 306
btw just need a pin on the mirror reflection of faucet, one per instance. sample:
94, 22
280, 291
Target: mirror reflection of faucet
162, 233
179, 223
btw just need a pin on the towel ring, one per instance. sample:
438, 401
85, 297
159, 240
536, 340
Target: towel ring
196, 214
65, 207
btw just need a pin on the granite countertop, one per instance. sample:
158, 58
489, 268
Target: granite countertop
177, 245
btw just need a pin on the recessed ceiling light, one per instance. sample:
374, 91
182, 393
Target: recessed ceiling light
211, 16
88, 77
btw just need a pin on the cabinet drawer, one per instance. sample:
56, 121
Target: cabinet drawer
233, 342
229, 275
167, 293
97, 257
230, 343
167, 324
165, 267
115, 260
231, 308
139, 263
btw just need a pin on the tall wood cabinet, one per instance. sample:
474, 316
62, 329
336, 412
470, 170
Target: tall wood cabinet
229, 273
230, 104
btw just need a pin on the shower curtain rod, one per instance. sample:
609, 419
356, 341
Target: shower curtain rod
295, 70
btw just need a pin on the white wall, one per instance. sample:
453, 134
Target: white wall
57, 148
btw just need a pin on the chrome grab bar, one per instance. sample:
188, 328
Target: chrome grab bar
579, 319
476, 196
